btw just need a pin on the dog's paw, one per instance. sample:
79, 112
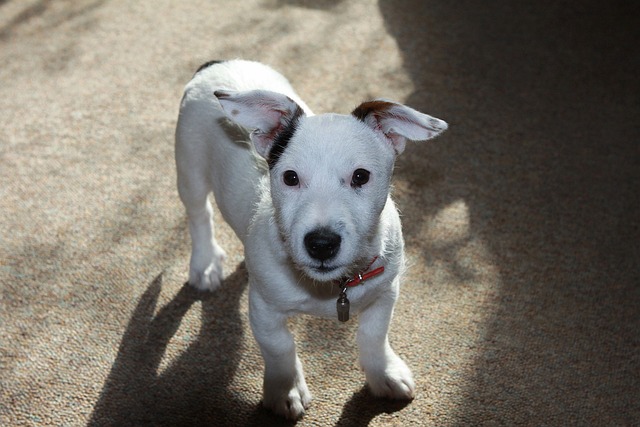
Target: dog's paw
206, 274
291, 403
394, 382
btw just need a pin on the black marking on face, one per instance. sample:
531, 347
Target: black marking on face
283, 137
207, 65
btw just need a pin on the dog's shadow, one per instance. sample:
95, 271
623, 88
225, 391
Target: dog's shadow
193, 388
363, 407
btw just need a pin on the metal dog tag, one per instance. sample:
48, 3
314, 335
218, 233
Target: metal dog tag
343, 306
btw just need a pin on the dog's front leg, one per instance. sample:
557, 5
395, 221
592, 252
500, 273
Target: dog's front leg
387, 375
285, 391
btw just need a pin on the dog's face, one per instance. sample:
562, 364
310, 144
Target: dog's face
328, 188
330, 174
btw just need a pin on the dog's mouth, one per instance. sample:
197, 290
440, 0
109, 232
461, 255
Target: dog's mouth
324, 273
325, 269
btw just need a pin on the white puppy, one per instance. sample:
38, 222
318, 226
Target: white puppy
308, 196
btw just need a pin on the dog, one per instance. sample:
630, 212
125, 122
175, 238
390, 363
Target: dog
308, 196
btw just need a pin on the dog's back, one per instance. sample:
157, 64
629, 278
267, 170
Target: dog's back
212, 153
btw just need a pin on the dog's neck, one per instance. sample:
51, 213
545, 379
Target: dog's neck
342, 304
362, 276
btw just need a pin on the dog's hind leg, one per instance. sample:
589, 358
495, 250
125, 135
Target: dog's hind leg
194, 187
205, 267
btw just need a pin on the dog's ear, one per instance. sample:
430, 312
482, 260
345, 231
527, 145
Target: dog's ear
268, 113
398, 122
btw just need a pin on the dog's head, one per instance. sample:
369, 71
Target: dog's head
330, 174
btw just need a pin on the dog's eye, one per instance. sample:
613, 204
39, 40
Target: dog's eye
290, 178
360, 177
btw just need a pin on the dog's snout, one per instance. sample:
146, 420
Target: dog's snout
322, 244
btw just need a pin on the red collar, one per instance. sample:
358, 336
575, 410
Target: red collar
342, 305
361, 277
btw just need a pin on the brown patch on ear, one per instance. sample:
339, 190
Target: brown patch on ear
366, 108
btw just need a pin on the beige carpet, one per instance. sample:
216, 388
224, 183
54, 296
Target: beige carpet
522, 302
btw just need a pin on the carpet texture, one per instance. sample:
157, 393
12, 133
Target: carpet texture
521, 304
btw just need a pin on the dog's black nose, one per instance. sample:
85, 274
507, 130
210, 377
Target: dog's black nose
322, 244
